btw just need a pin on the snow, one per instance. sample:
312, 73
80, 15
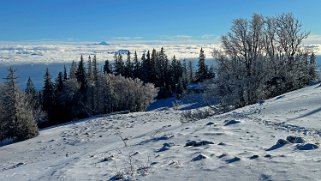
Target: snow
230, 146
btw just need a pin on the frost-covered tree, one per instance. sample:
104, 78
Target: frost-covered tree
260, 58
17, 119
105, 103
73, 69
30, 88
34, 99
190, 71
312, 67
202, 72
131, 94
119, 66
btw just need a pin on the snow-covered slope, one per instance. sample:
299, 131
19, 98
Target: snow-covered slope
244, 144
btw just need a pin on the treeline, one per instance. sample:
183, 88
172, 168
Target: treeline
83, 92
87, 90
170, 76
261, 58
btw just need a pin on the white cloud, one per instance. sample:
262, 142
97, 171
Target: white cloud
313, 39
53, 52
183, 36
209, 36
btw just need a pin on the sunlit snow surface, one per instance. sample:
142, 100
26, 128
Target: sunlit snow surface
92, 149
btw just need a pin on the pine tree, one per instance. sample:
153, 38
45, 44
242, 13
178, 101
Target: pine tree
73, 69
190, 71
163, 80
89, 69
106, 94
32, 94
48, 96
27, 126
93, 89
185, 74
65, 73
95, 69
143, 68
30, 89
119, 64
174, 72
312, 67
128, 66
59, 85
136, 67
211, 73
148, 67
153, 60
8, 101
202, 72
60, 102
180, 87
81, 102
34, 100
107, 68
81, 76
17, 117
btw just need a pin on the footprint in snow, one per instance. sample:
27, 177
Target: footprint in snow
209, 123
232, 160
308, 146
228, 159
254, 157
197, 144
264, 177
199, 157
230, 122
222, 155
165, 147
280, 143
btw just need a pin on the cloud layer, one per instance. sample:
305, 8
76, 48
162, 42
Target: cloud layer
53, 52
183, 47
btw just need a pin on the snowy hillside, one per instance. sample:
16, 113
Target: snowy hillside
251, 143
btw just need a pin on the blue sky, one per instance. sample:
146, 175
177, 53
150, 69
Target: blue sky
97, 20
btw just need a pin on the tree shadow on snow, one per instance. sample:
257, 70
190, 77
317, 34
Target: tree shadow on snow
307, 114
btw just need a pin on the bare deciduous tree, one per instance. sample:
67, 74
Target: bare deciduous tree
261, 57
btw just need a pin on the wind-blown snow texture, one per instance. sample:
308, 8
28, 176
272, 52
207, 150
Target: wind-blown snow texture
255, 147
